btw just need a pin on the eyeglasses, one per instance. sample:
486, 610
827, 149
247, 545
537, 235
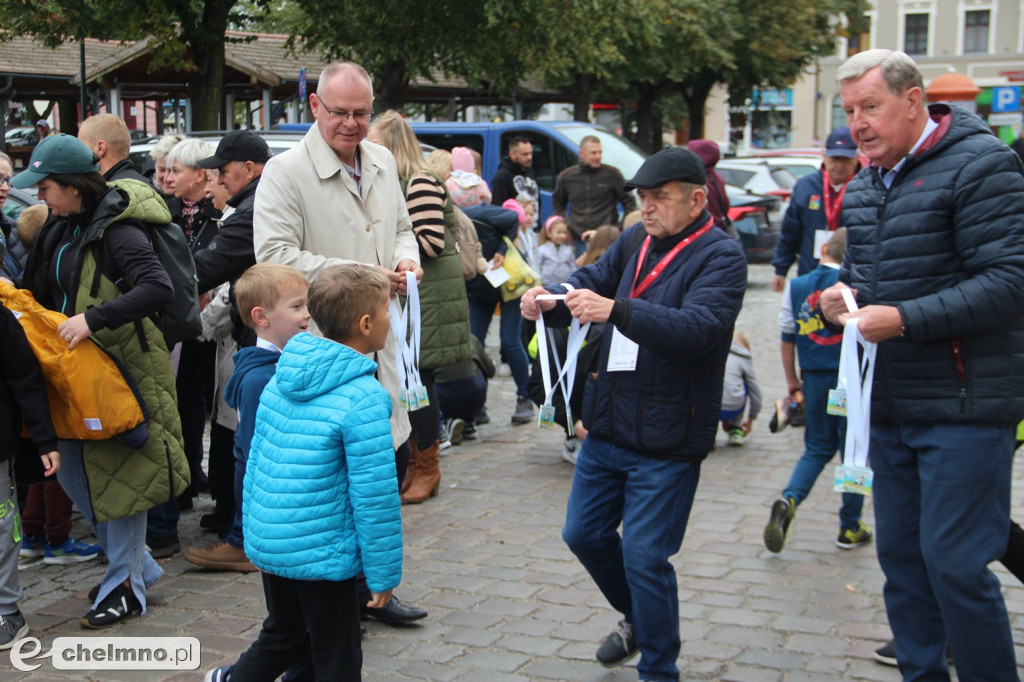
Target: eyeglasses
5, 180
342, 115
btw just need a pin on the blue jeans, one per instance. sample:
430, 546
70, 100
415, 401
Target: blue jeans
480, 312
652, 499
824, 434
123, 540
236, 537
942, 506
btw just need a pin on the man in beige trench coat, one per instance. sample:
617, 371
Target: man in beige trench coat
335, 198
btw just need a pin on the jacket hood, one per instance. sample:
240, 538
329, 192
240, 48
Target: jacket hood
311, 366
246, 360
739, 349
707, 150
143, 202
511, 165
955, 124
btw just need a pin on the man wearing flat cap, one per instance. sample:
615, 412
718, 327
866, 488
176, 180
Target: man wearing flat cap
670, 289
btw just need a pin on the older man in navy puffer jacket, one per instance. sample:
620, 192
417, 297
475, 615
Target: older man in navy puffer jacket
936, 256
670, 288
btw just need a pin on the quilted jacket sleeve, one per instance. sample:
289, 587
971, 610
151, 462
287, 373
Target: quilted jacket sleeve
373, 489
989, 238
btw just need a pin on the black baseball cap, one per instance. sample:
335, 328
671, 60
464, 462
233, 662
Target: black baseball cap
238, 145
673, 163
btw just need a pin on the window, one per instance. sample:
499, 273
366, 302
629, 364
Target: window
976, 31
915, 35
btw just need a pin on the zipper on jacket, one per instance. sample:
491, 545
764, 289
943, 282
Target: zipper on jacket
60, 253
961, 372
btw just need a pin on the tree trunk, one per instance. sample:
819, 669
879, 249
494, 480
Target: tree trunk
695, 92
645, 119
582, 97
206, 88
391, 87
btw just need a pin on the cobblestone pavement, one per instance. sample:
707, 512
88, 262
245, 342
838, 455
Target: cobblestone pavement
508, 602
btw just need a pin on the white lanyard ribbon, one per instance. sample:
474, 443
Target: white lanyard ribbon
406, 328
566, 377
855, 377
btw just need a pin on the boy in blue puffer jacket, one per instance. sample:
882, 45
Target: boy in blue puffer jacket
320, 500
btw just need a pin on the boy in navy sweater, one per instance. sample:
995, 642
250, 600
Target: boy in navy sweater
272, 302
803, 332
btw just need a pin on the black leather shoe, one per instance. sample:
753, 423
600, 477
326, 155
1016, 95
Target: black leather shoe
395, 613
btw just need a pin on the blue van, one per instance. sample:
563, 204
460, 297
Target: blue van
556, 147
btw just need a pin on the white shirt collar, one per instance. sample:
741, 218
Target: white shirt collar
266, 345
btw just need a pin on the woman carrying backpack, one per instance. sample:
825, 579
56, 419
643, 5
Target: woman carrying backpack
93, 261
444, 309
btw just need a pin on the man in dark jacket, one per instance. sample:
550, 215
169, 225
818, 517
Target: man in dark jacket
109, 139
515, 176
239, 162
671, 288
588, 194
935, 257
814, 209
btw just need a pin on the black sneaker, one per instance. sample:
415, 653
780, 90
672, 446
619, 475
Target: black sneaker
469, 431
618, 647
161, 548
783, 511
12, 628
886, 654
482, 417
119, 605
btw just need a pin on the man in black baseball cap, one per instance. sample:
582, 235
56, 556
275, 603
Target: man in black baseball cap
669, 290
238, 164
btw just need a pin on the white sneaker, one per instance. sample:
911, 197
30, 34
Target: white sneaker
571, 450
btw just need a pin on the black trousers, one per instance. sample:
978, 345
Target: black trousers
221, 472
196, 367
317, 618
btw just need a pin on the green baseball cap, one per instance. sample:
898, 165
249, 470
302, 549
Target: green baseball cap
56, 155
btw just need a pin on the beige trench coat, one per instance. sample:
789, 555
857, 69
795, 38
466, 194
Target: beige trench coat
309, 214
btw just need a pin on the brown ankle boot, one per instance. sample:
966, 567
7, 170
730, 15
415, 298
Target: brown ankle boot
410, 472
428, 475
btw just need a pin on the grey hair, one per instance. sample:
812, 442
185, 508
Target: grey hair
337, 67
164, 146
4, 157
899, 71
189, 153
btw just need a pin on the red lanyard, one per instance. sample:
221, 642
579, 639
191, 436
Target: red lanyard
832, 208
663, 263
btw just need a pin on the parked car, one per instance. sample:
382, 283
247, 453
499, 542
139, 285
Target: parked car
278, 140
16, 136
556, 147
17, 201
756, 218
797, 165
758, 176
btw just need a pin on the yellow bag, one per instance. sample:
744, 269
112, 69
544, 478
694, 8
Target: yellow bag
522, 277
90, 398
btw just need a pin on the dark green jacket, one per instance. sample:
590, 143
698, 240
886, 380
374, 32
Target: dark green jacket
122, 481
444, 308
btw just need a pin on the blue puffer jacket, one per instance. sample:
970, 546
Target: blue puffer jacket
805, 216
321, 496
945, 244
668, 407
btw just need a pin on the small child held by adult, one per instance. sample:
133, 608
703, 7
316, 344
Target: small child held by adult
465, 185
272, 302
556, 258
322, 464
740, 390
22, 398
804, 335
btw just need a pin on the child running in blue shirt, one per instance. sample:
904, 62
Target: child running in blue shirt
321, 502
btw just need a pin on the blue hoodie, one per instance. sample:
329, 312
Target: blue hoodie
253, 369
320, 497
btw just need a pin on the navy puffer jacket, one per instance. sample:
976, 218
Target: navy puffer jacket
945, 244
668, 407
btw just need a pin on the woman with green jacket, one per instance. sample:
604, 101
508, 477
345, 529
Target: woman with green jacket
93, 261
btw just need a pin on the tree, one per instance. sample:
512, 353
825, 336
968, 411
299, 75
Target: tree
189, 32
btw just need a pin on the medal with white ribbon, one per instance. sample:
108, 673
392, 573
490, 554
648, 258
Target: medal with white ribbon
856, 373
406, 327
566, 374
